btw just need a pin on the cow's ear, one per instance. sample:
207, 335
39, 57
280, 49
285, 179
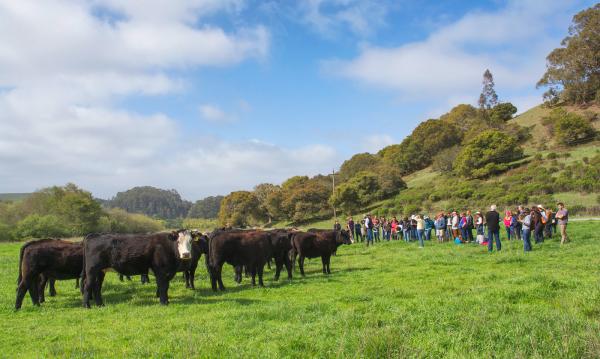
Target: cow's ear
174, 235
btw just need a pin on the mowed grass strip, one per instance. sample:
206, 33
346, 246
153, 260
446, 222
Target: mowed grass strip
390, 300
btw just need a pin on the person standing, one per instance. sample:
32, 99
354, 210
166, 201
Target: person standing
375, 229
394, 228
387, 229
358, 231
479, 228
440, 227
369, 226
470, 226
525, 220
428, 227
337, 226
406, 227
350, 227
455, 222
492, 218
539, 222
562, 217
420, 230
448, 220
508, 224
518, 225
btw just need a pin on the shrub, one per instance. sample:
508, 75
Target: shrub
552, 155
5, 233
486, 153
117, 220
37, 226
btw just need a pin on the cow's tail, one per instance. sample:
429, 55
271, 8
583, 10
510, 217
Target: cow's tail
21, 262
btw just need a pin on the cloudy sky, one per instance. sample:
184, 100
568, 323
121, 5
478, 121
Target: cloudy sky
211, 96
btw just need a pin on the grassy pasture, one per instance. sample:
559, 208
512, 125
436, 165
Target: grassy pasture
391, 300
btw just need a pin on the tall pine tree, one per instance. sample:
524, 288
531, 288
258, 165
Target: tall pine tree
488, 97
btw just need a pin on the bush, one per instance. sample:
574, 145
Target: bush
552, 155
569, 128
117, 220
5, 233
36, 226
201, 224
486, 153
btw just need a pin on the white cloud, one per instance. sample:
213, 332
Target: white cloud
215, 114
330, 17
511, 42
65, 67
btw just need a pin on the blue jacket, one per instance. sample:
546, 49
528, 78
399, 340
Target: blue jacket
440, 223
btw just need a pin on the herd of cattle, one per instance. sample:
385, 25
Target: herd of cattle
43, 261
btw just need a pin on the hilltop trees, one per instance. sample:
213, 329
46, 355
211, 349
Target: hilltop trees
487, 154
573, 70
488, 97
206, 208
239, 209
569, 128
151, 201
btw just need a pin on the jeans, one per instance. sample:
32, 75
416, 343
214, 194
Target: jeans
369, 236
448, 232
463, 234
526, 242
508, 233
406, 236
428, 234
358, 235
420, 237
492, 234
539, 233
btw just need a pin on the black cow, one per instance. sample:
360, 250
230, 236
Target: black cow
133, 254
43, 260
251, 249
281, 240
319, 244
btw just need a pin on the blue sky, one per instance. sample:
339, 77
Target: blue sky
211, 96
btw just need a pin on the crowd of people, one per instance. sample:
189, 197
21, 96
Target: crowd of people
519, 224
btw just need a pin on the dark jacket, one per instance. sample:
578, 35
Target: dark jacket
492, 219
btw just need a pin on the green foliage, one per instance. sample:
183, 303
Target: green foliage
38, 226
206, 208
358, 163
503, 112
117, 220
269, 199
201, 224
239, 209
486, 154
152, 202
6, 233
573, 70
568, 127
304, 198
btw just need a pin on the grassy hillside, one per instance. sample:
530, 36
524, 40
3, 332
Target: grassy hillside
390, 300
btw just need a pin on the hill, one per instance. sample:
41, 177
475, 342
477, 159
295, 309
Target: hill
13, 196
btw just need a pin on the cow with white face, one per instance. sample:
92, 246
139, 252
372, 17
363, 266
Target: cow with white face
134, 254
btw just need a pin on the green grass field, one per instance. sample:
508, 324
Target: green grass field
391, 300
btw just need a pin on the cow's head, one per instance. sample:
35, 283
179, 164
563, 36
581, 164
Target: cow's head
200, 240
184, 243
343, 237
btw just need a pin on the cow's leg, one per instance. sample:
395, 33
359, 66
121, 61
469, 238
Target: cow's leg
218, 272
52, 287
278, 266
192, 275
293, 255
288, 265
269, 263
42, 288
238, 274
22, 289
301, 264
98, 289
76, 283
246, 272
213, 278
324, 262
128, 278
328, 262
186, 276
34, 290
144, 278
260, 269
88, 283
121, 278
162, 284
253, 274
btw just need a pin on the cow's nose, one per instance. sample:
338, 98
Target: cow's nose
185, 255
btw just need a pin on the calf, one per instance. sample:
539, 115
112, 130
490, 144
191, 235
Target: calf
251, 249
43, 260
320, 244
133, 255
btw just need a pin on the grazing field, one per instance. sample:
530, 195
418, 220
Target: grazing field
391, 300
